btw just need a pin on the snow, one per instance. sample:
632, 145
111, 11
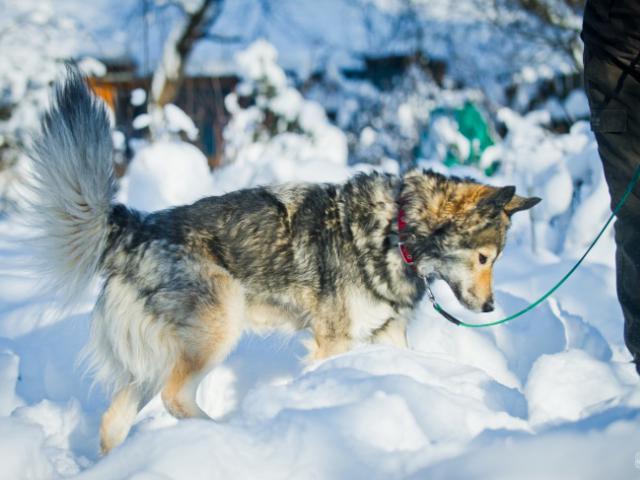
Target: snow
119, 140
91, 66
577, 105
9, 364
164, 174
259, 61
141, 121
168, 122
312, 36
34, 42
444, 135
262, 141
567, 385
563, 170
138, 97
177, 121
576, 452
23, 453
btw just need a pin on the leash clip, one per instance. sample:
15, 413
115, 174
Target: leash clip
436, 306
430, 294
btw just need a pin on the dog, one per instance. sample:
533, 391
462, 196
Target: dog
179, 286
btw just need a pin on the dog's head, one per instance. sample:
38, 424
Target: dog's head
456, 229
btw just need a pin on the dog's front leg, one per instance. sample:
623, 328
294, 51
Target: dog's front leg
331, 333
321, 347
393, 332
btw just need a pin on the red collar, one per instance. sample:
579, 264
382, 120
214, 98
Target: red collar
404, 251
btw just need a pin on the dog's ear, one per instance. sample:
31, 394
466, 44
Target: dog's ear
498, 198
518, 203
505, 199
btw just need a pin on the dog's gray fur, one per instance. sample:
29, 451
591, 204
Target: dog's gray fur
180, 285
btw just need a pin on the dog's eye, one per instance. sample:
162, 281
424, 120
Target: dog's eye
482, 259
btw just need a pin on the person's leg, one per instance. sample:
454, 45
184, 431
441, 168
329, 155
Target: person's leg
614, 99
628, 280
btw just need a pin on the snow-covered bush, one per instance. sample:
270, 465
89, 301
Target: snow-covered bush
273, 128
564, 170
459, 136
388, 123
150, 182
169, 122
407, 118
35, 40
161, 155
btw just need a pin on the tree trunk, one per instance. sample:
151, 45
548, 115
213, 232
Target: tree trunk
170, 71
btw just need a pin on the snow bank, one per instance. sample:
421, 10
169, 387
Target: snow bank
576, 452
568, 385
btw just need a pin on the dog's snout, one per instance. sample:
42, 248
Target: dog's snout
488, 306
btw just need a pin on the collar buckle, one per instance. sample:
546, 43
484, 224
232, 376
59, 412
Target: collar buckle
404, 253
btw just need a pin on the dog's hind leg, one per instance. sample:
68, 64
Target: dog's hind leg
118, 419
216, 329
179, 393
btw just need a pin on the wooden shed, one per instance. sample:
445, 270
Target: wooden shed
200, 97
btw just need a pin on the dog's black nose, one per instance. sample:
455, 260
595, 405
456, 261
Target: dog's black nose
488, 306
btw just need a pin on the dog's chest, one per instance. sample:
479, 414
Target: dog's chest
367, 314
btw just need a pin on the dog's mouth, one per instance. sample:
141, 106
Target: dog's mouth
472, 304
469, 305
468, 301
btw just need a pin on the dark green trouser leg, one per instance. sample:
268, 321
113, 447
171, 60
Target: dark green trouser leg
614, 98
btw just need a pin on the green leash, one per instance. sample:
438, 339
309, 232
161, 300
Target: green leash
452, 319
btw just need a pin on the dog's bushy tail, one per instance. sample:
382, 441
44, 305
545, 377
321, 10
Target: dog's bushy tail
72, 186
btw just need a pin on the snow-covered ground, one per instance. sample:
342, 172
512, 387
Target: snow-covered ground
551, 395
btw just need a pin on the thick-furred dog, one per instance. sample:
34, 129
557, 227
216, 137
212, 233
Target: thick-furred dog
181, 285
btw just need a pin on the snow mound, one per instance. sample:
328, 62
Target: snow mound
165, 174
23, 455
568, 385
579, 452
